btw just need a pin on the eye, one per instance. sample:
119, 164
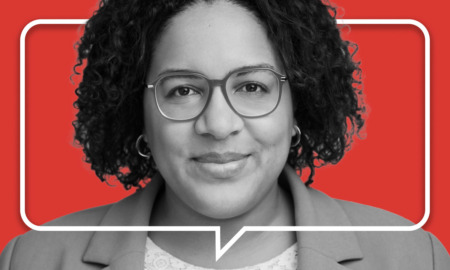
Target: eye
251, 87
184, 91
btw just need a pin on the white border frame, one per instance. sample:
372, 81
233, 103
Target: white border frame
220, 251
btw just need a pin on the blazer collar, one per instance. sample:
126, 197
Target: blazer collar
320, 250
124, 249
316, 250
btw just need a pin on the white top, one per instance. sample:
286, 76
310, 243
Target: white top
158, 259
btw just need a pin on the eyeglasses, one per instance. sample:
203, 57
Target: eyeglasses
250, 92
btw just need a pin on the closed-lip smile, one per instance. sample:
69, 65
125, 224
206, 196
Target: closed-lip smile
216, 165
220, 158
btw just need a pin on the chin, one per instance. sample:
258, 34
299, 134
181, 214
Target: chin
224, 209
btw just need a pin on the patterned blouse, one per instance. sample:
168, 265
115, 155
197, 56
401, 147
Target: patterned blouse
158, 259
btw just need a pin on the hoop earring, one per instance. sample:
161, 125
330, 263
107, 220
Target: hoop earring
138, 143
297, 137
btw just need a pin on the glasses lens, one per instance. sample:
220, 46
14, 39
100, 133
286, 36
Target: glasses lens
253, 92
180, 96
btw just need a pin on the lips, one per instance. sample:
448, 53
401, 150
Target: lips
215, 165
218, 158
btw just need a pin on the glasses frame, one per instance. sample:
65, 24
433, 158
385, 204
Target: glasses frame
220, 83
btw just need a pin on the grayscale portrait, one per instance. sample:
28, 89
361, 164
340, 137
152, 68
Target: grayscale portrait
213, 109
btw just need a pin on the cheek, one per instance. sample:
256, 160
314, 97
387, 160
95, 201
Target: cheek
273, 138
165, 138
274, 131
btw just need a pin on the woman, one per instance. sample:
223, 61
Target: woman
218, 102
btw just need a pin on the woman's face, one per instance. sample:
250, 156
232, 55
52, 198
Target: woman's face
219, 164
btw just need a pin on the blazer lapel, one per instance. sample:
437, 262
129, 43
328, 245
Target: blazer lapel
309, 259
132, 261
124, 249
320, 250
316, 250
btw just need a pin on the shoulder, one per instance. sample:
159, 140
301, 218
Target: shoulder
356, 214
53, 249
365, 215
87, 217
416, 247
50, 248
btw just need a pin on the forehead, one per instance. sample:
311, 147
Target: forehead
213, 39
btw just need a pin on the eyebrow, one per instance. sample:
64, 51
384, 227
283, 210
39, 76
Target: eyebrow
261, 65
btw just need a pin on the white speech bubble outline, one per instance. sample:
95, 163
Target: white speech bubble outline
220, 251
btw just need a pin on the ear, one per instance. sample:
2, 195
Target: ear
293, 133
145, 138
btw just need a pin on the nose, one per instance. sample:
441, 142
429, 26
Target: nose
218, 120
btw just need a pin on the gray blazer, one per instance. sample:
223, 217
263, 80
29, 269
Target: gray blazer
316, 250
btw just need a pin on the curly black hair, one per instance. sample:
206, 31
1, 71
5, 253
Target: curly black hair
118, 43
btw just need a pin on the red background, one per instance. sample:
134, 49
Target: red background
386, 169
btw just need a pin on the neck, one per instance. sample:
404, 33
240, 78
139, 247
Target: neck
275, 209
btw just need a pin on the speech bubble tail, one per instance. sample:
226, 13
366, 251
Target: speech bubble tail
221, 251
